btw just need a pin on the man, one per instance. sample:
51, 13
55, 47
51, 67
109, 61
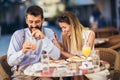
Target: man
22, 52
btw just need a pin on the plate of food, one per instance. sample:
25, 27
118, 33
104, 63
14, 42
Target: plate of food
75, 59
33, 68
58, 63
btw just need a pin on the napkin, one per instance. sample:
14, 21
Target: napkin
87, 65
102, 75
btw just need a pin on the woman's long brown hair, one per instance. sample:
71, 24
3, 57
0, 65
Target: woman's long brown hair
74, 42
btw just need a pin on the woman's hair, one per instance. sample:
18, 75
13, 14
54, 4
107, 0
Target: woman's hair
74, 42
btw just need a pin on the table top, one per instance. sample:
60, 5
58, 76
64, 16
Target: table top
100, 41
63, 69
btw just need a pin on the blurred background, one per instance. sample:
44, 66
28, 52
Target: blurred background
12, 15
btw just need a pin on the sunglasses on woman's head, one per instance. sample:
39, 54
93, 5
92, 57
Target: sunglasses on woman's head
63, 17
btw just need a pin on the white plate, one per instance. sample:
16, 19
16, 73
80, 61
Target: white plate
75, 59
33, 68
84, 67
89, 58
58, 63
36, 67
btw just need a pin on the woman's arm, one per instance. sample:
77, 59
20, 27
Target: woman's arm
63, 52
66, 54
91, 39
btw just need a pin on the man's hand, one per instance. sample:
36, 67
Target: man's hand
38, 34
28, 46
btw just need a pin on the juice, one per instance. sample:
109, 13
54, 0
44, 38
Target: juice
34, 46
86, 51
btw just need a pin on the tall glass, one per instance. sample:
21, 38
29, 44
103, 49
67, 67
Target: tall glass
45, 62
96, 58
33, 44
86, 50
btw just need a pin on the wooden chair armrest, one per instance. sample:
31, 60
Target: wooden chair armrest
3, 73
5, 69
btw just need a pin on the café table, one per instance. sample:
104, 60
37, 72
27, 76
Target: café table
63, 69
99, 41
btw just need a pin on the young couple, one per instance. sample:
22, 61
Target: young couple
74, 34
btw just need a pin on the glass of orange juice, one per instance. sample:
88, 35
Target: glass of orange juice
34, 46
86, 50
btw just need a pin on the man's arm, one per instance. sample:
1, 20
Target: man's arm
47, 44
53, 51
14, 54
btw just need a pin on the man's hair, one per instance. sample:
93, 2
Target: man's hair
35, 10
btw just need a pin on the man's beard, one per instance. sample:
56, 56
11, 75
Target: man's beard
35, 28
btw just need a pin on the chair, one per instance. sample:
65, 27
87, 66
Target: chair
116, 41
113, 57
106, 32
5, 69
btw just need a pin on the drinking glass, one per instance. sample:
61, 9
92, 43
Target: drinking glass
45, 62
96, 58
86, 50
60, 77
33, 42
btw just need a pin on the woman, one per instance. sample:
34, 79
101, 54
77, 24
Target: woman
74, 35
